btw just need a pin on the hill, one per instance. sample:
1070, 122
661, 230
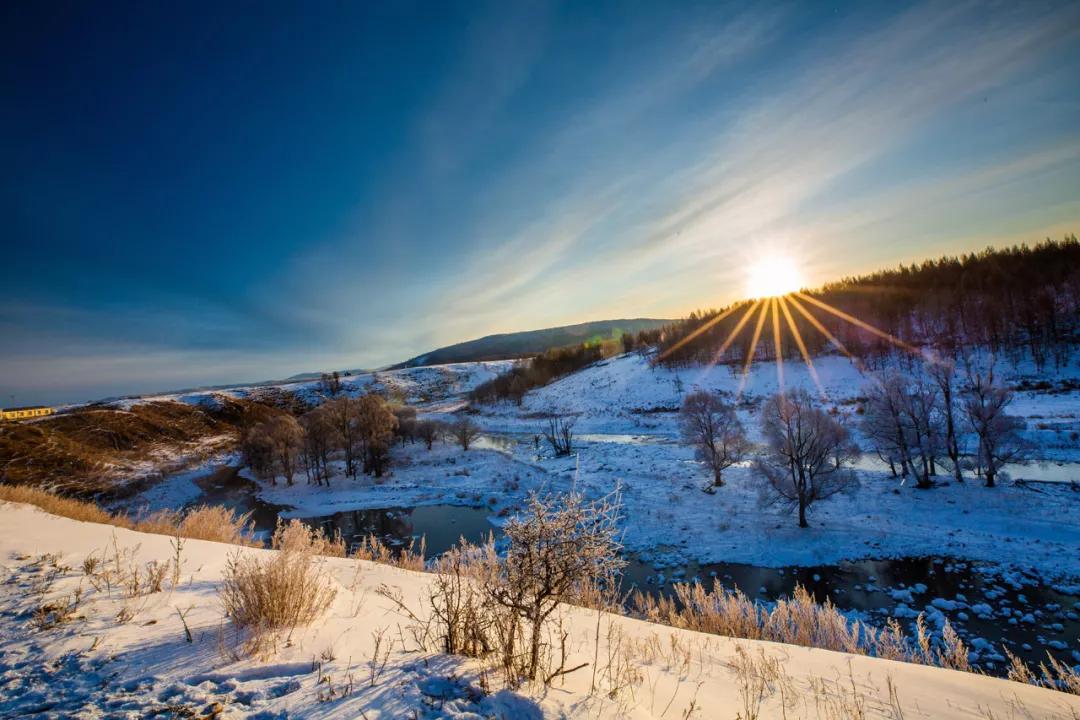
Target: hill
507, 346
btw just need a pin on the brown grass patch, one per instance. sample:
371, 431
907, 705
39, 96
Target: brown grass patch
203, 523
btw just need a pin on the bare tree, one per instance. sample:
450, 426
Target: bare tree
406, 423
330, 384
320, 438
924, 425
273, 446
943, 372
558, 547
258, 452
560, 435
287, 438
464, 431
376, 425
998, 433
808, 452
343, 413
428, 431
713, 428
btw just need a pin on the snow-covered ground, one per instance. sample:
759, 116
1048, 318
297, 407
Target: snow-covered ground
423, 386
127, 657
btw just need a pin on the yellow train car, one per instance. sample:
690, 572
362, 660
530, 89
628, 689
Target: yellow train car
25, 413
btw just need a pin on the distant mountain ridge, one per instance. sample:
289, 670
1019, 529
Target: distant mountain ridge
505, 346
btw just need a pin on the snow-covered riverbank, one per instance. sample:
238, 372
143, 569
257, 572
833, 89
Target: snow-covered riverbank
128, 656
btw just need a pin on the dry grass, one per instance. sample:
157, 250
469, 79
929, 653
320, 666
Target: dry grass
286, 589
373, 549
295, 536
798, 620
213, 523
62, 506
1056, 675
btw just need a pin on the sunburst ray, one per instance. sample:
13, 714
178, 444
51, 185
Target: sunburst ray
824, 331
774, 308
753, 346
859, 323
719, 354
704, 328
782, 302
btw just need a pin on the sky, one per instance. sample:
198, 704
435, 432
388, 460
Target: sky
231, 192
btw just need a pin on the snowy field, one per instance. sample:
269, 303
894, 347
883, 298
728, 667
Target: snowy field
127, 656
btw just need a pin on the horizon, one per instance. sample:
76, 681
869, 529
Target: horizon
211, 198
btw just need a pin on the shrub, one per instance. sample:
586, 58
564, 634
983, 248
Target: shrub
284, 589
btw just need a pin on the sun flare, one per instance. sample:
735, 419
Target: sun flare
773, 276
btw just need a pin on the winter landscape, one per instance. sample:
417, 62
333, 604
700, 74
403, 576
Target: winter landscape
825, 462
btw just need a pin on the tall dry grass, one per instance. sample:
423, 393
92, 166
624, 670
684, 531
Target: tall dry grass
373, 549
798, 620
288, 588
62, 506
295, 536
213, 523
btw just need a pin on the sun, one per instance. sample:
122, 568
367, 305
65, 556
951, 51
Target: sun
772, 276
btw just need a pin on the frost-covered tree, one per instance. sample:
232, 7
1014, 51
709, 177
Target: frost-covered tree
808, 452
904, 421
884, 422
997, 432
559, 547
924, 426
713, 428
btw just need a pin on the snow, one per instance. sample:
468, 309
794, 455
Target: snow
95, 665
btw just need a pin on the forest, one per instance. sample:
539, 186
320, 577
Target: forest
1016, 301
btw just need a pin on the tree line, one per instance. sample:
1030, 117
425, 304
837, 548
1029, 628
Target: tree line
359, 430
1015, 301
536, 372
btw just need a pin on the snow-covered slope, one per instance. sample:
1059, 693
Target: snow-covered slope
424, 386
128, 657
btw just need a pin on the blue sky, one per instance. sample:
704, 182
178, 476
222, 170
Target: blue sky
223, 194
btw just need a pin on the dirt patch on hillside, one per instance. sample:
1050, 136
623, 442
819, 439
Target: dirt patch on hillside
105, 451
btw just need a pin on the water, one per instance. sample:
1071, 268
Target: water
1050, 472
226, 487
506, 443
441, 526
